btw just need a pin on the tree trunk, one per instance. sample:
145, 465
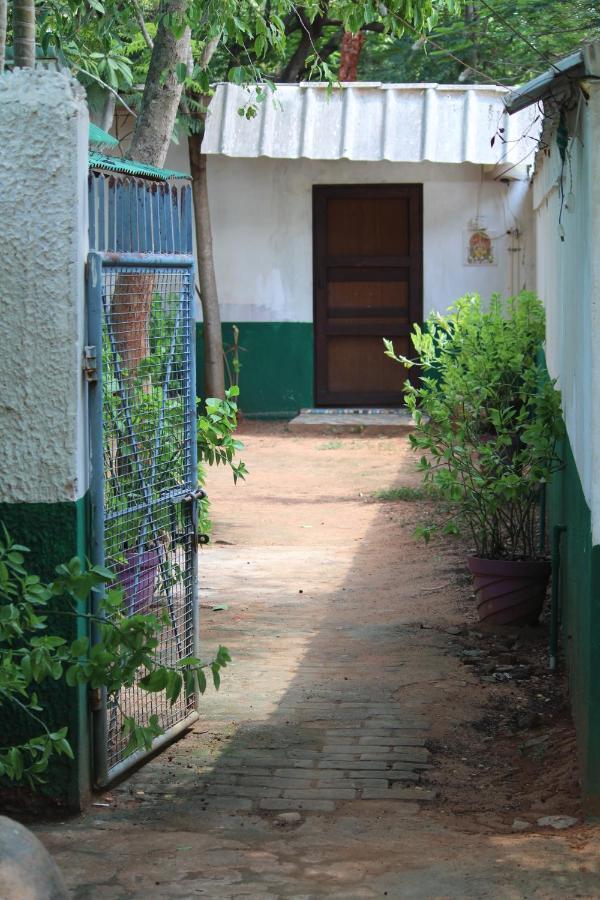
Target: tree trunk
162, 91
472, 55
3, 16
350, 55
24, 33
310, 33
132, 298
214, 377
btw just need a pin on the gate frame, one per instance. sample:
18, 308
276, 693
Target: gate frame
96, 262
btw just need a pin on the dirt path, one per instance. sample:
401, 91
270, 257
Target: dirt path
369, 741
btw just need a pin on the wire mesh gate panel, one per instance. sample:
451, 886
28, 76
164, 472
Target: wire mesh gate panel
144, 471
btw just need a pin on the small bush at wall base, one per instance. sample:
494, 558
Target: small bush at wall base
487, 420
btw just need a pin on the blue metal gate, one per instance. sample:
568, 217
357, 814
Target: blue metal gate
142, 401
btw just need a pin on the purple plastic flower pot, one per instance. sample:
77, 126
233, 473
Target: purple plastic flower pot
144, 564
509, 592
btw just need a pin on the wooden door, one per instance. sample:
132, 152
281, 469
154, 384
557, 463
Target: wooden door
368, 278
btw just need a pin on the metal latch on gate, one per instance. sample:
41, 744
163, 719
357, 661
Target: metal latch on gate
198, 494
90, 364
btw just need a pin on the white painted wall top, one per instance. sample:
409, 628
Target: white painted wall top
365, 121
43, 211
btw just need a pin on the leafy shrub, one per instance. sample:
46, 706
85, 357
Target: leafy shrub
487, 419
30, 655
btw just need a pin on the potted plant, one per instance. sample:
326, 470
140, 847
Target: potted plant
487, 421
144, 462
146, 452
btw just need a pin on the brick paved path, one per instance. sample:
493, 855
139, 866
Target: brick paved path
307, 776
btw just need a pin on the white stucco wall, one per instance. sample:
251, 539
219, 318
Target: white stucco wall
568, 280
261, 212
43, 211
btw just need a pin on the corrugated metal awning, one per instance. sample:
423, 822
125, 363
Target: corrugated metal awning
370, 121
131, 167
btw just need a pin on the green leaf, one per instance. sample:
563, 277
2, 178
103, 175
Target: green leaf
155, 681
237, 75
79, 646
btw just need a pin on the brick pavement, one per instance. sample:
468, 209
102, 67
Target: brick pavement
308, 775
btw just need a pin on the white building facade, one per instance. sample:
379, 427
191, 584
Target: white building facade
292, 184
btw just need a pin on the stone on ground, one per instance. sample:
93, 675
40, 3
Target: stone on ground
27, 871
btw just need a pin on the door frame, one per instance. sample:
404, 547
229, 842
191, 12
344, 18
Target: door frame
320, 195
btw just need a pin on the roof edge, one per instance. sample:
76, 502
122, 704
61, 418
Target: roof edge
370, 85
131, 167
580, 63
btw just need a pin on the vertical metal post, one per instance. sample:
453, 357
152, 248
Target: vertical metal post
186, 219
94, 330
141, 217
191, 338
156, 243
176, 222
111, 242
148, 245
101, 242
92, 207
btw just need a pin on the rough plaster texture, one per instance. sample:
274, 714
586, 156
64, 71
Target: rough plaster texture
43, 211
568, 280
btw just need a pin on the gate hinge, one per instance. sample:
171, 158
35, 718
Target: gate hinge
89, 364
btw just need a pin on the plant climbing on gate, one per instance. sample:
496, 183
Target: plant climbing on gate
124, 653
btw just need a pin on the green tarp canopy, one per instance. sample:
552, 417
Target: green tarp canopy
99, 138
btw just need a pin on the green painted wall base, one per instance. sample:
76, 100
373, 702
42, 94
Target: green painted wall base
276, 377
55, 532
580, 611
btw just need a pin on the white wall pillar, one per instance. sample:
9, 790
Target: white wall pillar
43, 426
43, 221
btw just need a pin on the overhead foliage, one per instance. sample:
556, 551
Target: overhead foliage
107, 40
505, 41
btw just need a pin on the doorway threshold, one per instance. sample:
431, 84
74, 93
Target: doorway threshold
352, 421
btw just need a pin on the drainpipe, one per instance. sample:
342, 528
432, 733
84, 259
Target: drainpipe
557, 532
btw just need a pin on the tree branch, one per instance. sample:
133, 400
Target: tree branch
332, 44
311, 31
142, 23
209, 51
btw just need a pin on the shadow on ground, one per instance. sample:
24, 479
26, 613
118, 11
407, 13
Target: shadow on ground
308, 774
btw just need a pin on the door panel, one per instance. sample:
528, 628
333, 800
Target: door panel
368, 285
375, 371
369, 296
368, 226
